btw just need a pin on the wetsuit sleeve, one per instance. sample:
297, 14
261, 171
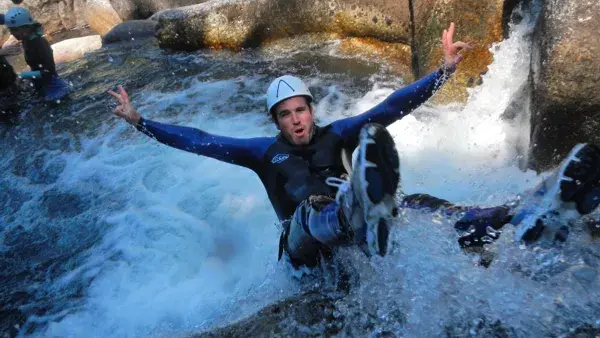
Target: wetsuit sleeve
7, 74
399, 104
244, 152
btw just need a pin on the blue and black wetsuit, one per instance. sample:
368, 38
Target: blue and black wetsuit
292, 173
40, 57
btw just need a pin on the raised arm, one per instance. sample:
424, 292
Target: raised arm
404, 100
243, 152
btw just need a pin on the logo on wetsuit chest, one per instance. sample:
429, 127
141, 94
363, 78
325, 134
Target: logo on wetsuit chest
279, 158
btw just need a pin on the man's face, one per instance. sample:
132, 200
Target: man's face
295, 120
20, 33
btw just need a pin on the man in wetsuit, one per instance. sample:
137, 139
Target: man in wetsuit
38, 53
301, 167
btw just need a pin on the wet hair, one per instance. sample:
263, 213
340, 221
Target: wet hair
272, 112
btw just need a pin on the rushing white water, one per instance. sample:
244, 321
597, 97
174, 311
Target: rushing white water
189, 243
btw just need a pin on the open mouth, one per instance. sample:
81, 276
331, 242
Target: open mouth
299, 132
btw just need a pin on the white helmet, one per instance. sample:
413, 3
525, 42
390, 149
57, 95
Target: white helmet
285, 87
17, 17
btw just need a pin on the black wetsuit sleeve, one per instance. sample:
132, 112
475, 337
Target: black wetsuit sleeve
39, 56
397, 105
247, 152
7, 74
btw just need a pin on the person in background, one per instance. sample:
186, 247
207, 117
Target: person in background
38, 54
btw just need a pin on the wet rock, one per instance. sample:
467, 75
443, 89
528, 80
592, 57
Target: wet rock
317, 314
585, 331
398, 55
61, 143
51, 172
594, 226
477, 21
566, 73
11, 319
585, 275
591, 257
43, 169
12, 297
251, 23
509, 15
60, 204
518, 104
11, 199
517, 115
40, 168
126, 31
126, 9
144, 8
307, 315
101, 16
74, 49
480, 327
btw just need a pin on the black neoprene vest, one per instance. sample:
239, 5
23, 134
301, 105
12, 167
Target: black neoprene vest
293, 172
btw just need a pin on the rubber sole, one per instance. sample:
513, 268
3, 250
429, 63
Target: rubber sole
576, 180
581, 178
384, 177
379, 174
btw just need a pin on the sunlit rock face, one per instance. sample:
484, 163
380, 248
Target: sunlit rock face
566, 74
477, 22
114, 12
252, 23
101, 16
73, 49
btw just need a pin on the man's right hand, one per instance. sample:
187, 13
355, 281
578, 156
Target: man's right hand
452, 49
11, 50
125, 110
